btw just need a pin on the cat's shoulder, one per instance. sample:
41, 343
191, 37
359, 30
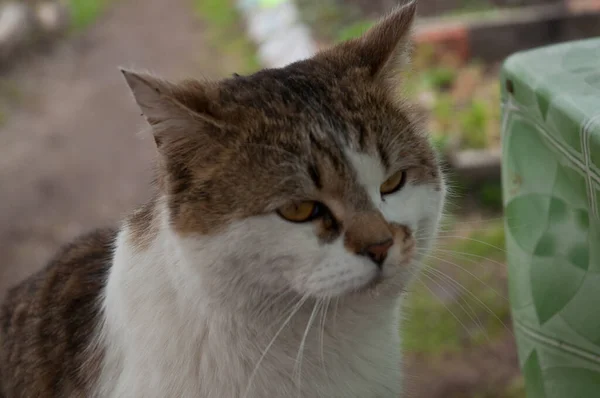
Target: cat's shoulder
76, 267
48, 320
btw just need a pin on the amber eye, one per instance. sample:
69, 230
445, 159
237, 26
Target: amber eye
394, 183
301, 211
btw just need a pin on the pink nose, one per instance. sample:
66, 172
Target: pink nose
378, 251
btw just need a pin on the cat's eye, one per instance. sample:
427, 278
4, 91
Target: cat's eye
394, 183
301, 211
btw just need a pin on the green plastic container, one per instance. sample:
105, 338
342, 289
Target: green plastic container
551, 184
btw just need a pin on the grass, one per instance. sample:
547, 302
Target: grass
226, 32
453, 308
85, 12
430, 327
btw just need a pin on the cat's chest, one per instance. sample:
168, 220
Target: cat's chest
219, 364
334, 363
362, 372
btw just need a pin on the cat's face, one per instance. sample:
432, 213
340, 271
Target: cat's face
314, 178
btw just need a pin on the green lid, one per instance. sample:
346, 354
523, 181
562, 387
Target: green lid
551, 184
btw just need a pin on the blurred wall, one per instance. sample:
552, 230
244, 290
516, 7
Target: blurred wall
435, 7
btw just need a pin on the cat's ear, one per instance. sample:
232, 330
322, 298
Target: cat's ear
384, 48
171, 109
386, 45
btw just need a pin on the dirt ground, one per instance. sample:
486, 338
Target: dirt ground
71, 156
485, 372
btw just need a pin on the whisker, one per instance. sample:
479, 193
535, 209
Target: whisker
288, 307
464, 289
484, 305
444, 304
323, 320
477, 221
481, 222
446, 251
468, 272
260, 359
269, 304
300, 355
335, 311
472, 314
458, 285
473, 240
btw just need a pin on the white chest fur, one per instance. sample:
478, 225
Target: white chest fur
162, 340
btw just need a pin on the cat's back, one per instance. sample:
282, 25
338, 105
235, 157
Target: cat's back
48, 322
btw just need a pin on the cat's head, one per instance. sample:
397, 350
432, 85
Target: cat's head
315, 178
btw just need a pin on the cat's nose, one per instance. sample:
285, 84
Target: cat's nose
378, 251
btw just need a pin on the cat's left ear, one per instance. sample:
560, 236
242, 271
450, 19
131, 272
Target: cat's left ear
383, 49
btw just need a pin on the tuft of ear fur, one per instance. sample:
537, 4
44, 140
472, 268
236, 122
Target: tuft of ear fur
173, 110
383, 49
152, 96
386, 45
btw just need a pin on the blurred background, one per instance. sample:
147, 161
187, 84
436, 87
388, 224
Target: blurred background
70, 158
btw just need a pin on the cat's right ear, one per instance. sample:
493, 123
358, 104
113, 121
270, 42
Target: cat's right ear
173, 110
383, 50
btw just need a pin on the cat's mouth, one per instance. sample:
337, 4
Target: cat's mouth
391, 278
371, 286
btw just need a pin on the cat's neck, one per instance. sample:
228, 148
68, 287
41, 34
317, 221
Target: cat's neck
165, 319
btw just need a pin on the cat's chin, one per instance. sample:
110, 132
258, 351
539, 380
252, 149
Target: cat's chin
380, 286
370, 289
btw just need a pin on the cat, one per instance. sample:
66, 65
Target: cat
292, 209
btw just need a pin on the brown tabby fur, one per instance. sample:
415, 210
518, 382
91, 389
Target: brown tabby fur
47, 321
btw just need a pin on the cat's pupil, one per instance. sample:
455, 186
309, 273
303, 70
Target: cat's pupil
329, 221
318, 210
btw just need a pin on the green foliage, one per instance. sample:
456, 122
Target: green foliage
225, 31
473, 124
444, 113
85, 12
441, 77
490, 195
217, 12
